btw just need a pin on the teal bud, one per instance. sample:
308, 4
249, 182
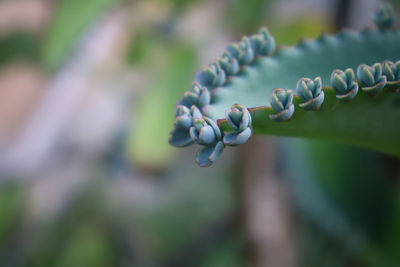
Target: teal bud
211, 77
263, 43
282, 103
239, 118
180, 135
392, 72
242, 51
195, 113
209, 154
198, 96
371, 78
205, 131
183, 117
229, 64
384, 17
344, 83
310, 92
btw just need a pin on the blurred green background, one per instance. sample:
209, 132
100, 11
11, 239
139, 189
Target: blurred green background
87, 177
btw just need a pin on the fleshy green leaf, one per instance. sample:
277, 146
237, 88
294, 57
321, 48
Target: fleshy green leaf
366, 121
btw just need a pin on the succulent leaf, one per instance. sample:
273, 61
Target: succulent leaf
214, 126
242, 51
344, 83
195, 112
282, 102
239, 119
209, 154
184, 118
371, 78
211, 77
310, 92
376, 118
384, 17
205, 132
237, 138
180, 138
198, 96
229, 64
263, 43
392, 72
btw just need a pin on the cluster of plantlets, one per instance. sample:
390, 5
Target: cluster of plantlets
192, 124
252, 68
371, 79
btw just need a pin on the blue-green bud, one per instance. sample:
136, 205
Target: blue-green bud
282, 103
211, 77
371, 78
229, 64
198, 96
310, 92
209, 154
384, 17
205, 131
392, 72
263, 43
242, 51
195, 112
180, 135
239, 118
344, 83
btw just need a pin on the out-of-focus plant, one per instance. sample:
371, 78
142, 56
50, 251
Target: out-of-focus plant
246, 15
70, 19
18, 46
146, 144
357, 209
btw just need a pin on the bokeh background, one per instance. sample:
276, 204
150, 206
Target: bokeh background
87, 177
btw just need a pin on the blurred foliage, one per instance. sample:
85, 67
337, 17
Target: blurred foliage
297, 28
226, 254
144, 43
316, 248
70, 19
78, 236
181, 3
246, 16
18, 46
169, 79
11, 209
87, 246
352, 202
98, 227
